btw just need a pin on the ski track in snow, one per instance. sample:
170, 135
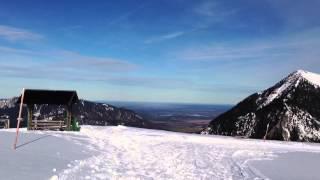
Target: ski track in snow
133, 153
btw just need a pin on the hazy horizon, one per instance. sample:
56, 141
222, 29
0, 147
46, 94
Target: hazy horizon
160, 103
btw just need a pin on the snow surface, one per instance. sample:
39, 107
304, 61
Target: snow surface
132, 153
296, 160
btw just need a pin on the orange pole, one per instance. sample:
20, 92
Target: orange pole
19, 119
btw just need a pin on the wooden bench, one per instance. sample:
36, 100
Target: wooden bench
48, 125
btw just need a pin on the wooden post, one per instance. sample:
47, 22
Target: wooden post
69, 116
69, 112
19, 120
30, 114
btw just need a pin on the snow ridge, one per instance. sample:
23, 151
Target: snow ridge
311, 77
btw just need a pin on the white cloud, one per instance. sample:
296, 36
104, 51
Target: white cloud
17, 34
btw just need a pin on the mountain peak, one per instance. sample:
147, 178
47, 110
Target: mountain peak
286, 85
309, 76
300, 71
289, 110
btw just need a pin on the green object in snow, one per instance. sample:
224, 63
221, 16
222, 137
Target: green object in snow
75, 125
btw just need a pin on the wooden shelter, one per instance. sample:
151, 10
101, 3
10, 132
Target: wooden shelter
50, 97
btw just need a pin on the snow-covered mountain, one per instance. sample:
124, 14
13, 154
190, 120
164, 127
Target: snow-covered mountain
290, 110
86, 112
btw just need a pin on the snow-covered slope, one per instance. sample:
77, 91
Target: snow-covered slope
132, 153
290, 110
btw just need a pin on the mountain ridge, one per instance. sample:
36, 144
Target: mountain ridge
86, 112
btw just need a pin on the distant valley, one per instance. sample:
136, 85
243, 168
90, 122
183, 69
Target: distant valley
178, 117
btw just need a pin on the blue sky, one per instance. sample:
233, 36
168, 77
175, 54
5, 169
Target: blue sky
199, 51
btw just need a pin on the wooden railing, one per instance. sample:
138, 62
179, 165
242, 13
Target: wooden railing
47, 125
5, 123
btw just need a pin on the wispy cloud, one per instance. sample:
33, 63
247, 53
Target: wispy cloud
86, 75
274, 48
17, 34
207, 8
76, 60
68, 59
59, 65
62, 74
261, 62
297, 14
173, 35
227, 52
213, 11
207, 13
150, 82
11, 50
126, 15
72, 66
164, 37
